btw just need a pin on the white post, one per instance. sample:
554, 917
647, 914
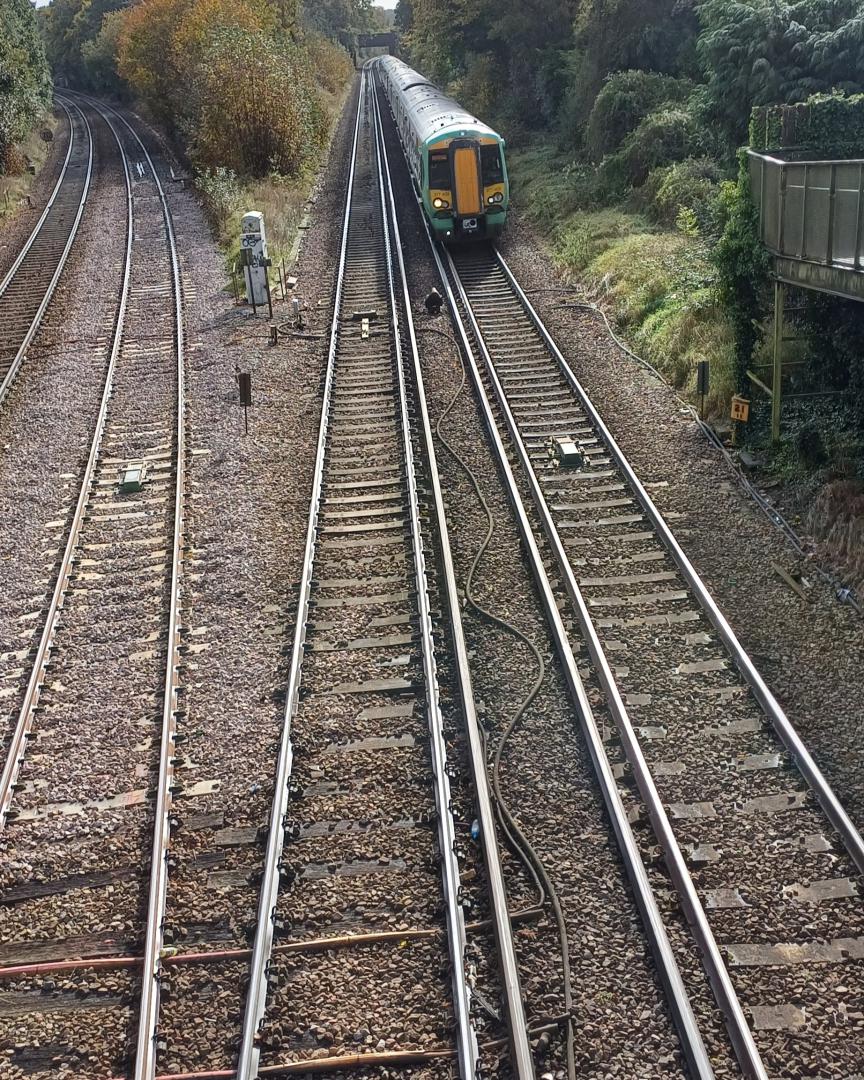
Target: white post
254, 241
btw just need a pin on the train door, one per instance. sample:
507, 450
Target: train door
466, 179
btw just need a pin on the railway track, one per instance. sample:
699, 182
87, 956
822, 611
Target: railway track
27, 288
363, 680
360, 952
104, 679
765, 863
373, 846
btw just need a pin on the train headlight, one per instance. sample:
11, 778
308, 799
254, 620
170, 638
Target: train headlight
496, 198
440, 204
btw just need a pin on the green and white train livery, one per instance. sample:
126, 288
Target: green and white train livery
456, 160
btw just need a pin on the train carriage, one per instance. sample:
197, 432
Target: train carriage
456, 160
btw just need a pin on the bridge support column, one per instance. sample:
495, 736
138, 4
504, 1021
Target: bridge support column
777, 382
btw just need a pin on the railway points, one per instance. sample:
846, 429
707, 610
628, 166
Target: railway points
392, 882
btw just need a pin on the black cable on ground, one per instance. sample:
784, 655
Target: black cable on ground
515, 836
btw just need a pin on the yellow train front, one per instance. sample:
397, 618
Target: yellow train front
457, 162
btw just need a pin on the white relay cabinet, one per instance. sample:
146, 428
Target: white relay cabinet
253, 244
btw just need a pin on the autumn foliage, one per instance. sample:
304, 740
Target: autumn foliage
263, 121
234, 79
247, 87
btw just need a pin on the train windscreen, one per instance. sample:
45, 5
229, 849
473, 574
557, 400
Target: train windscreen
490, 160
439, 170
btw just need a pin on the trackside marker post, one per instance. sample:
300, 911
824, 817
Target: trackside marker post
702, 377
244, 381
740, 413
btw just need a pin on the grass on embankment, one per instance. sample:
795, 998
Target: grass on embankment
659, 282
30, 154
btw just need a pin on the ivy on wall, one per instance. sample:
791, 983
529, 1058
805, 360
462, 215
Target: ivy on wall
743, 267
826, 125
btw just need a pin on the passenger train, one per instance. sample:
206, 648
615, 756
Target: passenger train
456, 160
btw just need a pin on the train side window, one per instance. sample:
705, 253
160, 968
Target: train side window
439, 169
490, 159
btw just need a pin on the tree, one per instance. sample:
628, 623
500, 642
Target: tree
620, 35
335, 17
507, 53
99, 55
69, 26
762, 52
25, 81
203, 19
146, 58
162, 44
404, 16
287, 14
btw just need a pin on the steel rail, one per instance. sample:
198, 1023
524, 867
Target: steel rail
522, 1061
37, 228
680, 1007
145, 1057
679, 1003
249, 1061
781, 723
18, 359
467, 1037
256, 1000
712, 958
21, 734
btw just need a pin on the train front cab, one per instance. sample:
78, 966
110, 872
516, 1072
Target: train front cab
466, 188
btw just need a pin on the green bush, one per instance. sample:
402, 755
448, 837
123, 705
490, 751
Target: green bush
690, 185
586, 236
626, 98
661, 138
220, 193
544, 186
662, 286
639, 272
